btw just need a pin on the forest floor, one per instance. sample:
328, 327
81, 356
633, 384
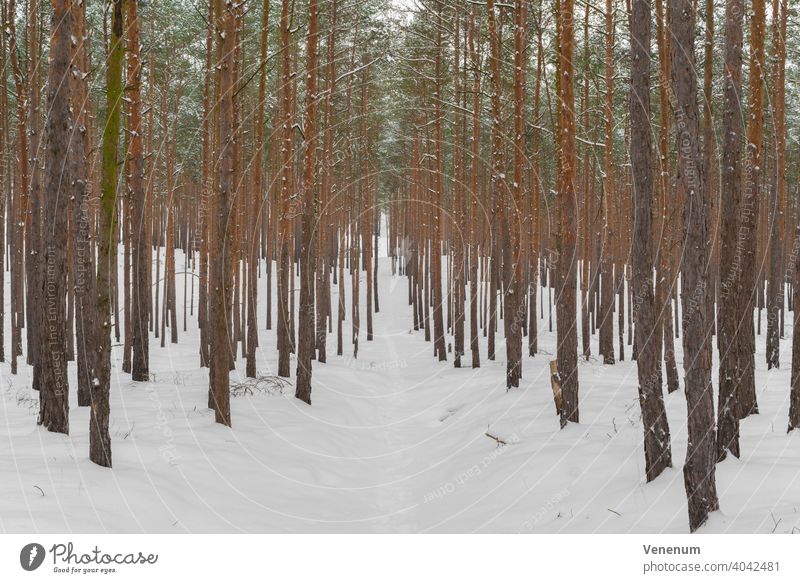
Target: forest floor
394, 442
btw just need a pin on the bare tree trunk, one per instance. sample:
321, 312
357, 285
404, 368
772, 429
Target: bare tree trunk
776, 282
142, 261
52, 364
220, 293
284, 339
82, 217
308, 250
567, 330
436, 254
699, 469
586, 195
533, 324
730, 255
707, 126
657, 449
17, 212
606, 340
474, 250
99, 439
664, 279
5, 178
258, 198
794, 397
33, 214
457, 266
748, 217
205, 218
327, 234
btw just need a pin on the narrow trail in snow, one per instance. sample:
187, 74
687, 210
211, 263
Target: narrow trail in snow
384, 365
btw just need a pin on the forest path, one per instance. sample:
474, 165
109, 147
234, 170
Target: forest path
389, 372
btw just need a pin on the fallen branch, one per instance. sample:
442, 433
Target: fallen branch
500, 442
777, 522
269, 385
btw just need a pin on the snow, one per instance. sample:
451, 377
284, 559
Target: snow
394, 442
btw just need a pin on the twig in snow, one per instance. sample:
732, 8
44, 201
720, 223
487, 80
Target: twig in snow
128, 433
500, 442
614, 511
40, 490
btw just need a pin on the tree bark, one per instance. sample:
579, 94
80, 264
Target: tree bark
748, 215
514, 299
284, 339
99, 439
776, 282
141, 240
474, 250
699, 469
308, 249
567, 331
657, 449
220, 276
606, 340
730, 254
52, 362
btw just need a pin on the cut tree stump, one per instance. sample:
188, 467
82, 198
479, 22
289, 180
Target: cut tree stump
555, 384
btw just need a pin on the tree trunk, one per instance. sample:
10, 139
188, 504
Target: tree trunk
748, 215
606, 340
474, 250
775, 286
284, 340
730, 255
699, 469
567, 331
308, 250
664, 280
435, 245
220, 276
82, 216
514, 299
99, 439
657, 450
140, 239
52, 364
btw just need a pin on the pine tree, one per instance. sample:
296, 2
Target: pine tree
308, 248
99, 439
731, 296
567, 330
749, 216
52, 362
141, 256
220, 272
657, 450
699, 469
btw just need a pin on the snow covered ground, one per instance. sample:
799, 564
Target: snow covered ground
394, 442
